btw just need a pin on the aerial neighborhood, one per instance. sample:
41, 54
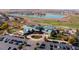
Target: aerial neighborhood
39, 29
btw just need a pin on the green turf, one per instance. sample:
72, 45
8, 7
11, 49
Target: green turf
73, 22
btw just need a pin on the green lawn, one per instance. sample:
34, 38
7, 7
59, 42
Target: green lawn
73, 22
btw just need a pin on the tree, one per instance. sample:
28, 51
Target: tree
53, 33
4, 26
71, 39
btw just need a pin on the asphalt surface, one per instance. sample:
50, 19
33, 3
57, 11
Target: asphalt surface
32, 45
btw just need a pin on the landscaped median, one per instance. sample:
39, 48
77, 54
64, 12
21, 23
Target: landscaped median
36, 37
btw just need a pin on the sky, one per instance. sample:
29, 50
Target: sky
39, 4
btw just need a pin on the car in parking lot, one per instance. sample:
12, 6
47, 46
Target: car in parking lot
51, 47
62, 47
42, 46
76, 48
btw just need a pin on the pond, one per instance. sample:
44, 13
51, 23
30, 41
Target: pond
48, 15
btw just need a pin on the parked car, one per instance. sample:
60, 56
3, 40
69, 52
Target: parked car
42, 46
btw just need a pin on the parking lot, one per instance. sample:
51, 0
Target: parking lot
53, 45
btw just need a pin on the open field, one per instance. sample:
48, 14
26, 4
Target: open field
72, 22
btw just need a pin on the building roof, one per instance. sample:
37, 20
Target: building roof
1, 23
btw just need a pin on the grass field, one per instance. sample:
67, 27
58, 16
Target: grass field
73, 22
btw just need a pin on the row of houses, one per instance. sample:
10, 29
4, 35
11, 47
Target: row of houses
4, 17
